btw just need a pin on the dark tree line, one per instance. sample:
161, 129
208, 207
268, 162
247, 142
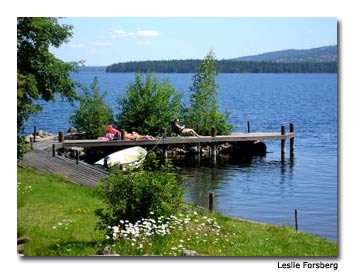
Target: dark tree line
223, 66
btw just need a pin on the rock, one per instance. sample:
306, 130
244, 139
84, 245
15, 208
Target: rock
107, 251
187, 252
21, 244
22, 240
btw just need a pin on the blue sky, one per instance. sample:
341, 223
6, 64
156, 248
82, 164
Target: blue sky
103, 40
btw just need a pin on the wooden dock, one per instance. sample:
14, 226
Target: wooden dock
167, 142
43, 161
237, 137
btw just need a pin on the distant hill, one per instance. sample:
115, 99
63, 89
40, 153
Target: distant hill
314, 55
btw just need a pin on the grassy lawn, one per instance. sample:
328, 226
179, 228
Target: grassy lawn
59, 219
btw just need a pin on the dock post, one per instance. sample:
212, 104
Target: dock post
61, 136
248, 127
211, 201
213, 145
77, 156
34, 133
292, 141
283, 149
122, 136
53, 150
164, 148
31, 143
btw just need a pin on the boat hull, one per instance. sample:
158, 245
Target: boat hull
127, 158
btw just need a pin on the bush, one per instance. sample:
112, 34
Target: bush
132, 196
93, 114
148, 106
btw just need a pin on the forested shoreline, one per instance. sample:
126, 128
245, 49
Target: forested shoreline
223, 66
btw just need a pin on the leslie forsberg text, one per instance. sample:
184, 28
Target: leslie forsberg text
308, 265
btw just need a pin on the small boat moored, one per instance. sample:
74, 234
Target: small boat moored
131, 157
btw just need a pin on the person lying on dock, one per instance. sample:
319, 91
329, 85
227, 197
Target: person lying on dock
111, 130
180, 129
136, 136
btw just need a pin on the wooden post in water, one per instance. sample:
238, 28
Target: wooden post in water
292, 141
122, 136
61, 136
248, 127
283, 149
296, 219
211, 201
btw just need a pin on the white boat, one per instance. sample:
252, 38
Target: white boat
131, 157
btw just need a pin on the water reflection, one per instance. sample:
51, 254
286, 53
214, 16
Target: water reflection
233, 178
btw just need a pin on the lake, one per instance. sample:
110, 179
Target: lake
264, 190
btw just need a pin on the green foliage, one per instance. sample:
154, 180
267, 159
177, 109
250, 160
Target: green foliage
93, 114
40, 75
148, 105
132, 196
204, 110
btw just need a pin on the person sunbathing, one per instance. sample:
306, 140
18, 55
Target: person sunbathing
180, 129
136, 136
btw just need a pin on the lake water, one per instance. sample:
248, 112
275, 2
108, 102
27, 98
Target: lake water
265, 190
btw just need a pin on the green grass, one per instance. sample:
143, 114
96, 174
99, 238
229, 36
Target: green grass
59, 219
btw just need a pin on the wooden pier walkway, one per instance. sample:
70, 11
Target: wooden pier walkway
236, 137
43, 161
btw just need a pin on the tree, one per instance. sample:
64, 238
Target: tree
204, 111
40, 75
93, 114
148, 105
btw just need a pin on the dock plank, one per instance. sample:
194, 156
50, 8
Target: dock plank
44, 162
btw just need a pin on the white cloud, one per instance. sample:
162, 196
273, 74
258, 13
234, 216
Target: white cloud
143, 33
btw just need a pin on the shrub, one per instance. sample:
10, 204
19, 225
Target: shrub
148, 105
93, 114
133, 195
